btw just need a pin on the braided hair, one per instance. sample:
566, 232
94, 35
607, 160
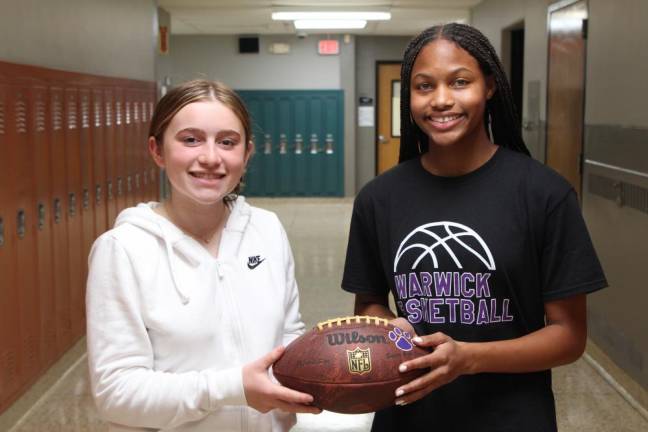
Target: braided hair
500, 113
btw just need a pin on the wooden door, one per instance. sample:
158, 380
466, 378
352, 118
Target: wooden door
388, 127
566, 89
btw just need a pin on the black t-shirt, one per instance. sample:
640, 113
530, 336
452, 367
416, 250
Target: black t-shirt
475, 257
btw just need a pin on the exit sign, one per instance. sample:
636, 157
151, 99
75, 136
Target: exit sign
328, 47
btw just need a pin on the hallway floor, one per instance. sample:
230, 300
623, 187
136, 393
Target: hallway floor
317, 229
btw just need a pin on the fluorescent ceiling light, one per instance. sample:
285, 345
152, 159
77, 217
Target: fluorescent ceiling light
329, 24
367, 16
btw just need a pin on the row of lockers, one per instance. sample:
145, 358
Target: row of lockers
72, 155
299, 143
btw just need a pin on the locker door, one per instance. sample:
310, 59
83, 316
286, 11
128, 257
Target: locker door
284, 156
120, 146
254, 172
316, 134
9, 289
87, 179
269, 146
138, 157
332, 139
98, 161
59, 205
154, 173
109, 155
128, 147
74, 205
40, 148
25, 219
300, 147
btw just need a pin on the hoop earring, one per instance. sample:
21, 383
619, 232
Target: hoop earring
490, 127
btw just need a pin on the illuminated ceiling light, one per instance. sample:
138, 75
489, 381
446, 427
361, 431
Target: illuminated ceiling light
365, 16
320, 24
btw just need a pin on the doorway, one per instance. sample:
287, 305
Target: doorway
388, 118
566, 89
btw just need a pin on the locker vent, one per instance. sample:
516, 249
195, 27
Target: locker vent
623, 193
97, 114
2, 118
136, 112
108, 114
118, 109
40, 115
21, 115
71, 113
144, 113
128, 113
57, 113
150, 110
85, 112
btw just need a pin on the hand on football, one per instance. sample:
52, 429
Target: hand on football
446, 362
264, 395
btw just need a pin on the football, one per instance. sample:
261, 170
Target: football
349, 365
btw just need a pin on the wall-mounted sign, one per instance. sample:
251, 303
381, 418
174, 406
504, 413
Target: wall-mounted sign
328, 47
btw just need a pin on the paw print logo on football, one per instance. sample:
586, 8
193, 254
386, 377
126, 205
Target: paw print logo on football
401, 338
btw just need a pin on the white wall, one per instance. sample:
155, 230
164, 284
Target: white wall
105, 37
217, 57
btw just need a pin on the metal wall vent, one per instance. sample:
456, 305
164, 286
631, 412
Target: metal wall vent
128, 113
623, 193
97, 114
71, 112
85, 112
108, 114
118, 112
57, 112
21, 114
40, 115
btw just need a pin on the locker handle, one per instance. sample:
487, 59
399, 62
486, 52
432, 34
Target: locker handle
299, 144
137, 181
98, 195
41, 216
86, 199
109, 190
57, 210
72, 204
313, 144
129, 184
20, 219
120, 187
1, 232
145, 178
329, 143
283, 144
267, 145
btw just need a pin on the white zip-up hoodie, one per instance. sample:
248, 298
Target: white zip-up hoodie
170, 326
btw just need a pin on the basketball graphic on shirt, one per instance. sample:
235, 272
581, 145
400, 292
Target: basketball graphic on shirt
443, 242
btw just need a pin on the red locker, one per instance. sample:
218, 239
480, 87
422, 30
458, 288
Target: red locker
87, 178
9, 298
61, 219
74, 203
153, 171
128, 141
99, 161
120, 148
109, 155
40, 148
28, 322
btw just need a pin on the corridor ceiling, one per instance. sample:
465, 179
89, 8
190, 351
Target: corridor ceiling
254, 16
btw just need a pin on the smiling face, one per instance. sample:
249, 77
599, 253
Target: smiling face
203, 151
448, 95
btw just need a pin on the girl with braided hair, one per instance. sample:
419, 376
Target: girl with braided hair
484, 249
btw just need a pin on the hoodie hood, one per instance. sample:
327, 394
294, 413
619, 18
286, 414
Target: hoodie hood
180, 247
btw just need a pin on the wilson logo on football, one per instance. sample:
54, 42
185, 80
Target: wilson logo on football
359, 361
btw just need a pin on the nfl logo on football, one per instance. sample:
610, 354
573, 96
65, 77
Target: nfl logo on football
359, 361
